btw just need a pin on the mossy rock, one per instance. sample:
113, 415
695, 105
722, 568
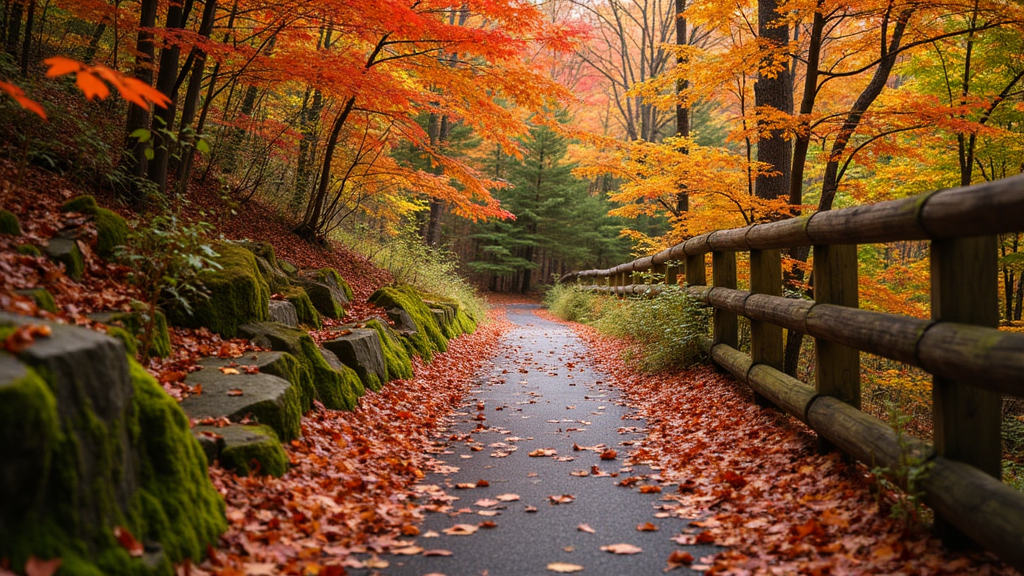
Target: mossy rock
269, 399
135, 323
428, 337
238, 294
283, 311
111, 232
396, 358
348, 374
29, 250
85, 204
280, 364
336, 390
247, 450
331, 277
9, 223
126, 338
326, 300
461, 322
287, 267
66, 251
101, 445
361, 350
262, 250
304, 308
42, 297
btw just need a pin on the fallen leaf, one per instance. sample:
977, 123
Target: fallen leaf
488, 513
465, 486
227, 370
704, 538
541, 452
609, 455
260, 569
36, 567
407, 551
530, 509
437, 552
677, 559
488, 524
410, 530
507, 497
580, 473
586, 528
486, 503
235, 392
622, 549
128, 542
564, 568
650, 489
647, 527
482, 483
460, 530
563, 499
376, 563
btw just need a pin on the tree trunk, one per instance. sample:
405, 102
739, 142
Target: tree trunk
94, 42
803, 138
773, 90
14, 27
163, 118
187, 136
314, 210
138, 117
682, 111
26, 46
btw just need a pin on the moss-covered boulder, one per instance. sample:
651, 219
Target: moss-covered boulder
304, 309
280, 364
9, 223
42, 297
89, 441
29, 250
459, 322
268, 399
287, 267
428, 337
331, 277
327, 301
335, 389
361, 350
66, 252
135, 324
397, 364
245, 450
111, 228
238, 294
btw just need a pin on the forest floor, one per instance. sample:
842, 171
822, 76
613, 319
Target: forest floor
700, 477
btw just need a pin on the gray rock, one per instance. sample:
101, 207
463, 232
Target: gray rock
281, 364
327, 300
332, 359
360, 350
276, 279
287, 267
270, 399
235, 445
404, 323
284, 312
66, 251
440, 317
85, 370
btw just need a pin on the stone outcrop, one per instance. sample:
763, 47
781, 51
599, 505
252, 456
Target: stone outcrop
360, 348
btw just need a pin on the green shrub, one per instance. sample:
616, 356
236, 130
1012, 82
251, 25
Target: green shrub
570, 302
9, 223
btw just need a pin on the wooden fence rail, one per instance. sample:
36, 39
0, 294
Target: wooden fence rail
972, 363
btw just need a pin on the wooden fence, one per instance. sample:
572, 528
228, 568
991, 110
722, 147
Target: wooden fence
973, 364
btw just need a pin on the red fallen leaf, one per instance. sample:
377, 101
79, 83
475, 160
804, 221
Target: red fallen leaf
128, 542
678, 558
482, 483
488, 524
36, 567
806, 529
687, 485
216, 558
734, 479
628, 481
410, 530
530, 509
251, 369
647, 527
704, 537
332, 570
650, 489
461, 530
172, 376
563, 499
235, 392
609, 455
622, 549
24, 336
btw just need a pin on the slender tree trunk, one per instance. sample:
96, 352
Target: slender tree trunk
138, 117
186, 136
163, 118
803, 137
682, 110
773, 90
311, 223
26, 46
94, 42
437, 138
14, 27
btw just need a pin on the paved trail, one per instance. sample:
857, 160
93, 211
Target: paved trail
543, 393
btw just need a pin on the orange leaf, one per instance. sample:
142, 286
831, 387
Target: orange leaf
19, 96
91, 86
59, 66
609, 455
647, 527
128, 542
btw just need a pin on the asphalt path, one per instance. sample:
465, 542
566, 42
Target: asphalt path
542, 393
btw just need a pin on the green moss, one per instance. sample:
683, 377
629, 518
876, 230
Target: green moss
85, 204
29, 250
129, 341
288, 268
9, 223
238, 294
176, 504
289, 368
331, 277
428, 337
397, 363
71, 257
42, 298
112, 231
304, 308
269, 454
134, 323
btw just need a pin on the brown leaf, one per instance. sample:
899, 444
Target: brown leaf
488, 524
586, 528
541, 452
650, 489
437, 552
460, 530
482, 483
609, 455
128, 542
227, 370
677, 559
465, 486
36, 567
622, 549
407, 551
647, 527
507, 497
235, 392
563, 499
564, 568
486, 503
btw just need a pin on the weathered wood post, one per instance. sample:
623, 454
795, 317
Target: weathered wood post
965, 419
696, 273
671, 274
837, 367
723, 275
766, 338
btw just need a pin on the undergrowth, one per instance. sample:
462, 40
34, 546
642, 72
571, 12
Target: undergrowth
663, 332
430, 270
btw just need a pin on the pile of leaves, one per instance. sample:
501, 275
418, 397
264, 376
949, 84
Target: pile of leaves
350, 490
754, 481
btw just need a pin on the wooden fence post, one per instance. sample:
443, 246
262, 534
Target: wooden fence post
659, 269
723, 275
965, 419
671, 274
696, 274
766, 338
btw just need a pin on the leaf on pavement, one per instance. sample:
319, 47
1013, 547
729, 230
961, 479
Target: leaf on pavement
609, 455
486, 503
507, 497
460, 530
586, 528
622, 549
564, 568
541, 452
563, 499
437, 552
647, 527
407, 551
677, 559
